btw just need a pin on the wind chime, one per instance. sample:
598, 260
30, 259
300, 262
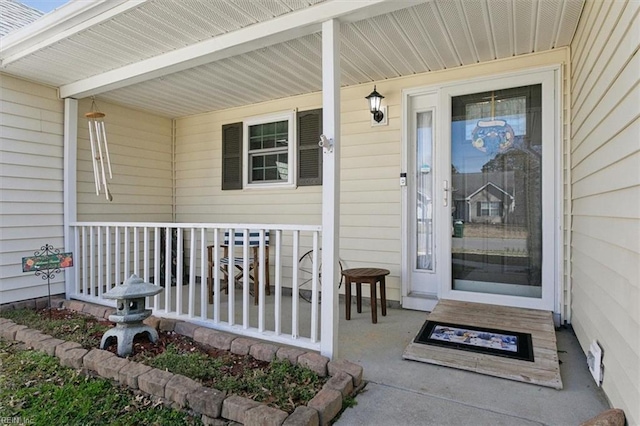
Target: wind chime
492, 136
99, 150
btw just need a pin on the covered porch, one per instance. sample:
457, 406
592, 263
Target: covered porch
173, 107
185, 84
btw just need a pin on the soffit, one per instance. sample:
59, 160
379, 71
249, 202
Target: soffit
431, 36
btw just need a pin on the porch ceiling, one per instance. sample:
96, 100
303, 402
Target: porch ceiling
406, 38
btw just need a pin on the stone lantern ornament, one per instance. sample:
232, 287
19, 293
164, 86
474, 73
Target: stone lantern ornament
130, 312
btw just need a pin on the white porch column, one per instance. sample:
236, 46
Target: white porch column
70, 193
330, 187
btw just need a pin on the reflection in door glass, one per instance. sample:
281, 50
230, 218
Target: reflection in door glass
496, 153
424, 191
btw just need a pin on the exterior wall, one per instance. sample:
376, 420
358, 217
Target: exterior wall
371, 206
31, 183
140, 147
605, 159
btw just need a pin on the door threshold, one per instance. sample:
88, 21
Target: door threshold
420, 302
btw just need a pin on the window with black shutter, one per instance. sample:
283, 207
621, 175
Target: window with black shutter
309, 153
268, 155
232, 156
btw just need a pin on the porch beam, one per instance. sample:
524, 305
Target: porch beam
330, 187
67, 21
70, 152
283, 28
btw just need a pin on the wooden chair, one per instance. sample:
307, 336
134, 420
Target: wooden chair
238, 262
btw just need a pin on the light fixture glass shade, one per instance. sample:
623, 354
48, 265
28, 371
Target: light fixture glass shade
375, 100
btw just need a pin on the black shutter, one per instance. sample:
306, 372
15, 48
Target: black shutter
232, 156
309, 153
479, 209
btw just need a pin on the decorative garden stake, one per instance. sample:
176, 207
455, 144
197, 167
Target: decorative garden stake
47, 263
99, 150
130, 312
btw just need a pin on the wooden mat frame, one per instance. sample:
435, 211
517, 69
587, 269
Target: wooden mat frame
544, 371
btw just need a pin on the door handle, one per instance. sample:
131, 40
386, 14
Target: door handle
445, 192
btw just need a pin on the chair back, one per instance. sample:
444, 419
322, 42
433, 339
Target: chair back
254, 238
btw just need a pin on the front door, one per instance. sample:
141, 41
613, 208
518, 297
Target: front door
482, 194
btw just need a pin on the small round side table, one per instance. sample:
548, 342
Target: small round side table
370, 276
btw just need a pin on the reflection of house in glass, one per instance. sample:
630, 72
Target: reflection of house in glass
484, 197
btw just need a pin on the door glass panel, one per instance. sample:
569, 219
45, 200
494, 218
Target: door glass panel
496, 174
424, 191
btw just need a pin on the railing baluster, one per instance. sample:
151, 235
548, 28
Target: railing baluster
92, 263
179, 267
145, 254
127, 254
118, 253
136, 251
76, 236
294, 291
216, 275
192, 273
145, 260
278, 289
85, 262
156, 266
231, 281
260, 287
100, 261
314, 290
246, 294
167, 271
204, 273
107, 255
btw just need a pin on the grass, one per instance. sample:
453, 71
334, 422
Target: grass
36, 389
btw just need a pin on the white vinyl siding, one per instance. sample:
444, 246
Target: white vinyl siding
605, 188
140, 147
31, 190
371, 204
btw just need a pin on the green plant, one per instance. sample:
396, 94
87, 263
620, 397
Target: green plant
78, 328
37, 390
280, 383
194, 365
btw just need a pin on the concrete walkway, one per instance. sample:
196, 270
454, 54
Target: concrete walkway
401, 392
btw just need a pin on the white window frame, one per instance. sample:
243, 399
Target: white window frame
491, 211
289, 116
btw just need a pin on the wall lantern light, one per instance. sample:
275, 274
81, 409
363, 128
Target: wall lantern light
375, 99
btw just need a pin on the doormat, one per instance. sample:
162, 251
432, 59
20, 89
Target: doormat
509, 344
510, 321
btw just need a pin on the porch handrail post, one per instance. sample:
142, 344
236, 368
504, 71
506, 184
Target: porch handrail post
69, 184
330, 186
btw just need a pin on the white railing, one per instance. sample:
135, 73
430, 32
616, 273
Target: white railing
178, 257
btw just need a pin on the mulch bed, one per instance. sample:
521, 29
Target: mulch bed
235, 365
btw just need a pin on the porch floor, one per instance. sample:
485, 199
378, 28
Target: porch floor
402, 392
